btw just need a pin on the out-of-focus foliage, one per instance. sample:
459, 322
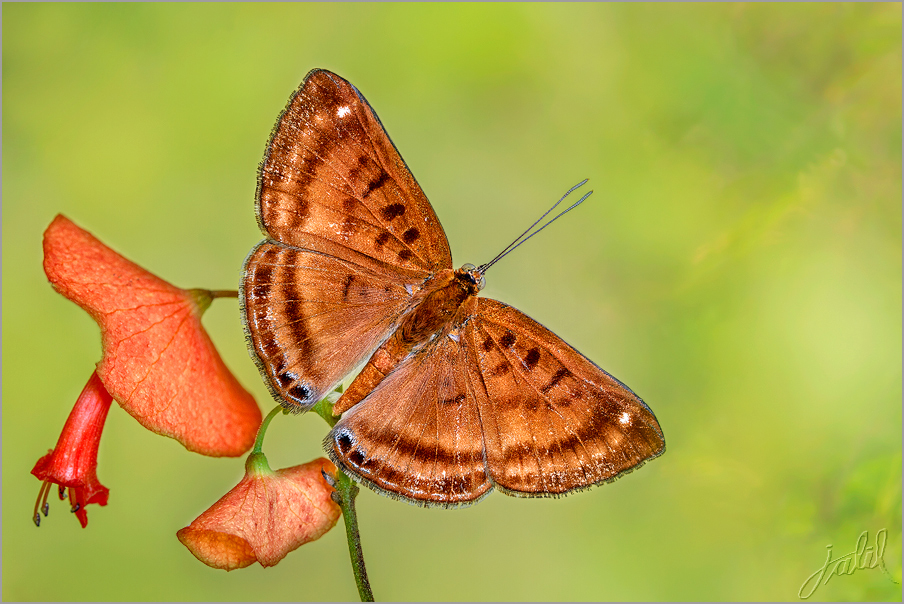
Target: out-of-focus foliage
739, 266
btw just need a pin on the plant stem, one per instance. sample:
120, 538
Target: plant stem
203, 297
325, 410
347, 491
224, 293
259, 442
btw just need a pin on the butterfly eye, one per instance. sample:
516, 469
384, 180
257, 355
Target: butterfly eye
481, 281
473, 275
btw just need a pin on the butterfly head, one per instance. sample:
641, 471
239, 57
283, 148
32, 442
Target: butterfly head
472, 277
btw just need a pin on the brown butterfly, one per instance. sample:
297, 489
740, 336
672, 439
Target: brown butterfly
460, 393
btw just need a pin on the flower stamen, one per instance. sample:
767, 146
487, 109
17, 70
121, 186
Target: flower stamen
41, 502
74, 503
45, 507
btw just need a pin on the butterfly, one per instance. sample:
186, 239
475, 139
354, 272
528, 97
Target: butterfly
459, 394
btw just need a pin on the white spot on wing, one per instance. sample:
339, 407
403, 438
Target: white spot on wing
343, 111
625, 418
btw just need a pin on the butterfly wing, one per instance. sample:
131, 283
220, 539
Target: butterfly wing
552, 420
417, 436
331, 173
312, 317
353, 237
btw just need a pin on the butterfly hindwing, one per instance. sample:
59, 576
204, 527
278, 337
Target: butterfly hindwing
502, 402
300, 307
417, 435
552, 420
332, 173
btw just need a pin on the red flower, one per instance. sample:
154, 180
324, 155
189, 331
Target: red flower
266, 516
73, 463
158, 362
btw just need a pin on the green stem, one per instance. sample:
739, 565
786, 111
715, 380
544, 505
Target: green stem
347, 491
259, 442
324, 408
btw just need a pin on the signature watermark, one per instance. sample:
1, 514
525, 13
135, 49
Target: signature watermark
864, 556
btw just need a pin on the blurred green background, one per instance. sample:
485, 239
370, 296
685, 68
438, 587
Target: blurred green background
739, 265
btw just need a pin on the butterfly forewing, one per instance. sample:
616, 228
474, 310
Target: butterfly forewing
418, 434
332, 173
552, 420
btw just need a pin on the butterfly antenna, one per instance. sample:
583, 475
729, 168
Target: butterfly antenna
525, 236
545, 214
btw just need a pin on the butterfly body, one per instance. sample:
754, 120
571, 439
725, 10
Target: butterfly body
459, 393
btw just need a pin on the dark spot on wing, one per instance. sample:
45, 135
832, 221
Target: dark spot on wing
376, 184
382, 238
300, 392
487, 344
508, 340
411, 235
285, 378
392, 211
532, 358
356, 457
405, 255
344, 443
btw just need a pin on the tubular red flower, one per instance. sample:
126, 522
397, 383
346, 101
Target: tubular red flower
266, 516
158, 362
73, 463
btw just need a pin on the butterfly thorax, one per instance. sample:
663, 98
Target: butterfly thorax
445, 294
440, 308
